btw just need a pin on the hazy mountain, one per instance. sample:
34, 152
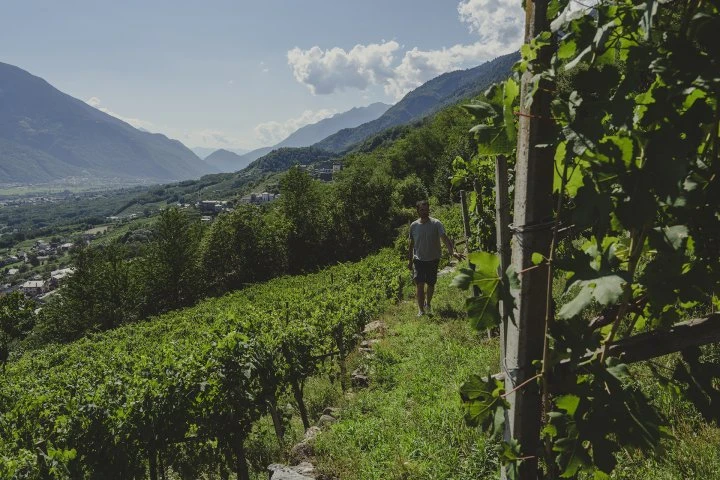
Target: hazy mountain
46, 135
204, 152
428, 98
226, 161
242, 161
304, 136
310, 134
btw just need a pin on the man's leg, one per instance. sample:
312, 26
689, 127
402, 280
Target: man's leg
430, 291
431, 279
420, 296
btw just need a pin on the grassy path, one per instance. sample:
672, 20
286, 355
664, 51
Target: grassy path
408, 424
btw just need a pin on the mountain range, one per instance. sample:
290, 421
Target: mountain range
426, 99
303, 137
204, 152
435, 94
47, 135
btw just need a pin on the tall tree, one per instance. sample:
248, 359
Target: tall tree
303, 204
172, 273
17, 318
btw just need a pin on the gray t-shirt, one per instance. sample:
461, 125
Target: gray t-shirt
426, 239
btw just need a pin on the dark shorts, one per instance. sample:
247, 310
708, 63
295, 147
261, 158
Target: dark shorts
425, 272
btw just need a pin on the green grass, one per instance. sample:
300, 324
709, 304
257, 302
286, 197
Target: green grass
409, 423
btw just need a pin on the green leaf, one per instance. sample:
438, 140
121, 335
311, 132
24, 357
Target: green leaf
483, 403
605, 290
486, 264
625, 147
693, 94
483, 312
475, 387
674, 236
617, 369
511, 91
472, 204
569, 403
567, 50
537, 258
481, 110
574, 63
462, 280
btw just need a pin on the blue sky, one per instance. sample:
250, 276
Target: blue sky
244, 74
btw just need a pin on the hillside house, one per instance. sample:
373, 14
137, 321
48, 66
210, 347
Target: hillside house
34, 287
212, 206
57, 276
263, 197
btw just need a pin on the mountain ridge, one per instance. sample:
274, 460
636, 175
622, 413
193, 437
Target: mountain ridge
47, 135
304, 136
426, 99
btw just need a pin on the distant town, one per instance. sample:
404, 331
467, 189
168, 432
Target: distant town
39, 267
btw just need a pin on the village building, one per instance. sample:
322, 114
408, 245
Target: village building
34, 287
57, 276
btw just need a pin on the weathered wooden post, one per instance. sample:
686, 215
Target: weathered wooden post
502, 232
533, 210
465, 217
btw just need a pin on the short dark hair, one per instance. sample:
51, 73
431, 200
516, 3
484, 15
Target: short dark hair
420, 203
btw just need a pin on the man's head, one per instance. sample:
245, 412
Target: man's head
423, 209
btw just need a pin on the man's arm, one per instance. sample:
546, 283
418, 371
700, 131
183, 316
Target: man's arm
451, 249
411, 252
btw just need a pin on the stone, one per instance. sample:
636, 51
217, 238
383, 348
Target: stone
375, 327
311, 433
325, 421
360, 381
304, 471
332, 411
369, 343
446, 270
301, 452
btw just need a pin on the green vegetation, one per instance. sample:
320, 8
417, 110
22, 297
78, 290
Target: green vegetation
632, 93
409, 423
183, 391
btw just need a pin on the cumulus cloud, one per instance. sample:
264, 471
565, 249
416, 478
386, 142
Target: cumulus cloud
325, 71
419, 66
135, 122
270, 133
499, 24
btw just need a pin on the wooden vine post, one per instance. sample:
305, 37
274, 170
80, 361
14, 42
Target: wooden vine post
533, 211
502, 232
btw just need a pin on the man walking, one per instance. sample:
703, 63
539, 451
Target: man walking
424, 256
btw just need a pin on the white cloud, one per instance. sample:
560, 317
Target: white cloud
500, 22
270, 133
418, 66
499, 25
135, 122
325, 71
